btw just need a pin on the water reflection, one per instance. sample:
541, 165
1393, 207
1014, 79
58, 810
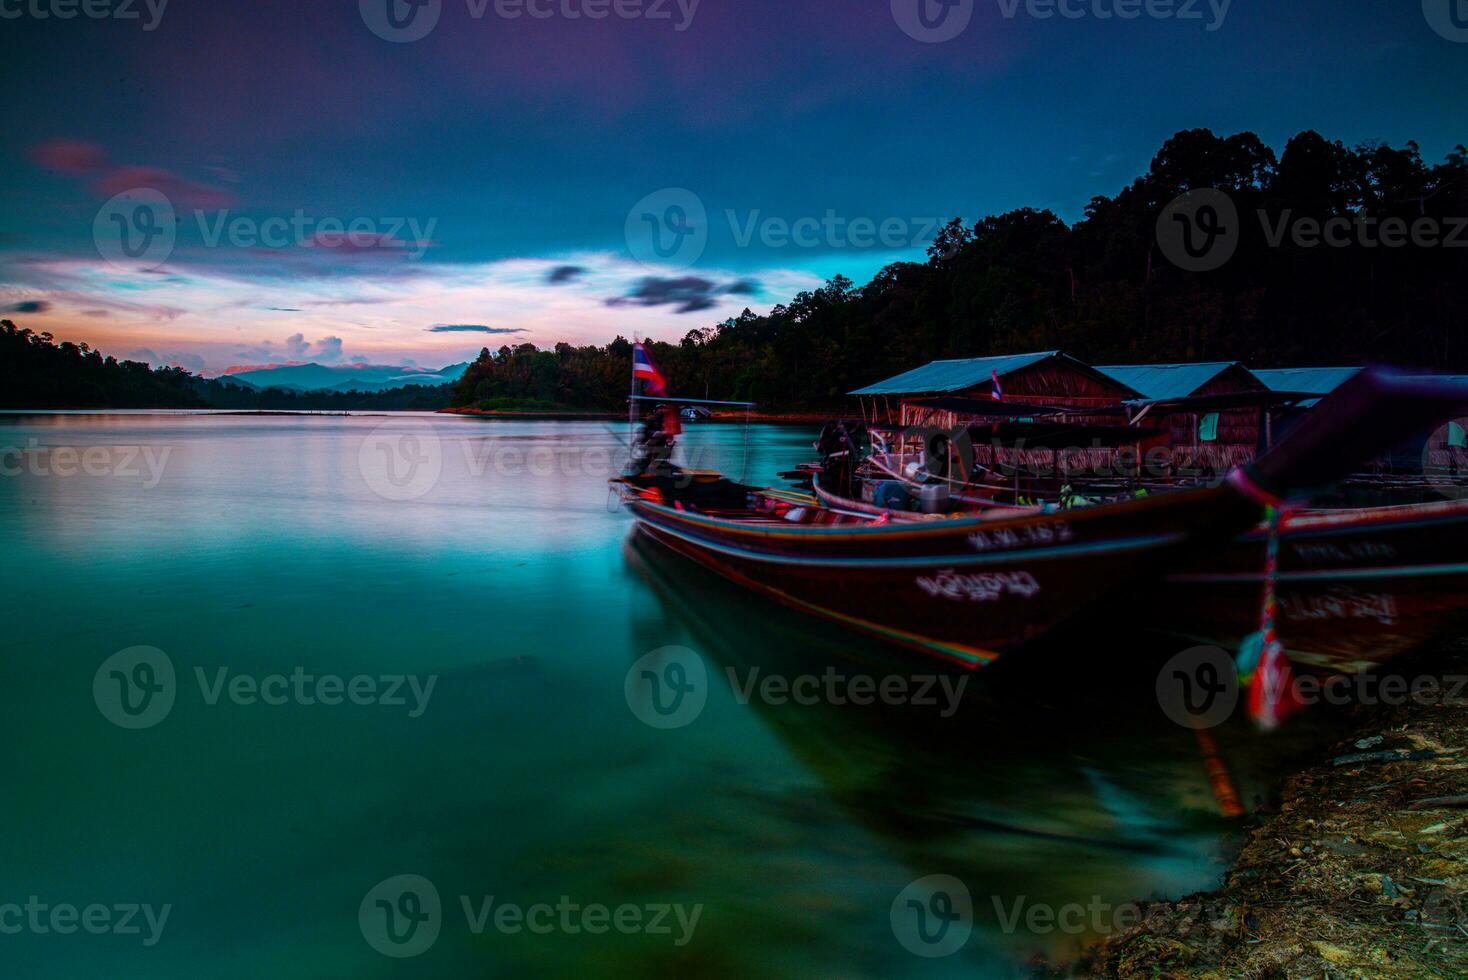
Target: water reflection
264, 548
1043, 789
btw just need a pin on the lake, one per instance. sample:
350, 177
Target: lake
362, 697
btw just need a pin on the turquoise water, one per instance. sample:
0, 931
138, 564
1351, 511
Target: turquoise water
487, 557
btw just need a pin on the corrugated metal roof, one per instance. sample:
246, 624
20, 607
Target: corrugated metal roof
1316, 381
940, 376
1166, 381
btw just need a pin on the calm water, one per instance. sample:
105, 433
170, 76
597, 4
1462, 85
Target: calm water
485, 555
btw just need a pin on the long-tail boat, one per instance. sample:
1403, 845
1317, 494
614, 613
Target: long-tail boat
1355, 586
966, 589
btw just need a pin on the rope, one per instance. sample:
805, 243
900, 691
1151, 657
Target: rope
1271, 695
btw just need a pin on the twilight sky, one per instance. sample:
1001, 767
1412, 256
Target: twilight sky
295, 186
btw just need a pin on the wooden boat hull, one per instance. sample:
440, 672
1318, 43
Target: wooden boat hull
961, 589
966, 589
1355, 587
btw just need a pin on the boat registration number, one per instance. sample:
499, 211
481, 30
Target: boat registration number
1031, 535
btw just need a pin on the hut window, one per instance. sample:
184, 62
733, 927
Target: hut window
1208, 428
1457, 438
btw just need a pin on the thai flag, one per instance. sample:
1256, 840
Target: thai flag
642, 367
998, 393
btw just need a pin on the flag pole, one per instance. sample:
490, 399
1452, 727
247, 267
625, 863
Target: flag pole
632, 408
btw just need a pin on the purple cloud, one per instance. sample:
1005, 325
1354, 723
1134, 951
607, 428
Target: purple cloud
75, 158
71, 157
295, 350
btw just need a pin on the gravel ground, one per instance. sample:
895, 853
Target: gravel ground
1363, 872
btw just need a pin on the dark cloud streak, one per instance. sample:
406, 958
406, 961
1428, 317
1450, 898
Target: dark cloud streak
562, 274
690, 294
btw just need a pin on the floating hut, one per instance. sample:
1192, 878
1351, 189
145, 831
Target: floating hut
1204, 417
1217, 414
1011, 405
965, 390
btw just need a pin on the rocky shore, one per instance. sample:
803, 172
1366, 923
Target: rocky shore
1363, 871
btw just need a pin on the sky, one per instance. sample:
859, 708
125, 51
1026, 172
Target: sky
226, 185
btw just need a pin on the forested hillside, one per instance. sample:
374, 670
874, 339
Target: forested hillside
1100, 289
38, 372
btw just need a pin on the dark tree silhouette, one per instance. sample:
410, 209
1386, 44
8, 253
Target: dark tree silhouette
36, 372
1100, 289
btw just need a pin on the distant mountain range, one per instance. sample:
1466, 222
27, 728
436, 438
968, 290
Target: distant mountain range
351, 377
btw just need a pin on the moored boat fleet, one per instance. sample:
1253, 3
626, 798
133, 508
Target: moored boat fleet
970, 527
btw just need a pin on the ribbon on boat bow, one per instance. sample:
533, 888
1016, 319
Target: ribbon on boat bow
1263, 666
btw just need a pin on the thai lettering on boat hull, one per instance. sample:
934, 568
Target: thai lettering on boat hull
980, 587
1341, 604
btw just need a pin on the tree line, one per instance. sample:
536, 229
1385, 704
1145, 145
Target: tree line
38, 372
1101, 289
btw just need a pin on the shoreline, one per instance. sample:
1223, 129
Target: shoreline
1362, 872
546, 416
792, 418
568, 415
